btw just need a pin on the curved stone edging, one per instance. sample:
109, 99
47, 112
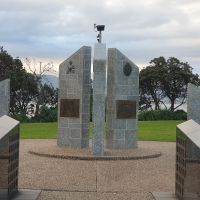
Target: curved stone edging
102, 158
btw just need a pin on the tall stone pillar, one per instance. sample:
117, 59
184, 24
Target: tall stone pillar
122, 101
74, 100
99, 83
4, 97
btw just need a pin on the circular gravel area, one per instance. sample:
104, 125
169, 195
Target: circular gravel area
52, 150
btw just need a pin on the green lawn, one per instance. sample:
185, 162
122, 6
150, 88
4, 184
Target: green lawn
158, 130
38, 130
148, 130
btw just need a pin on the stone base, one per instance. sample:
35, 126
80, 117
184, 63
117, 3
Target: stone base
26, 194
171, 196
52, 150
164, 196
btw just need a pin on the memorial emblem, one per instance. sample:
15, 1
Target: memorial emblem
70, 68
127, 69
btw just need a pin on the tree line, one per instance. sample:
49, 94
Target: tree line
163, 84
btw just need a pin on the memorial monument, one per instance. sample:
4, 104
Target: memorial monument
187, 165
4, 97
74, 100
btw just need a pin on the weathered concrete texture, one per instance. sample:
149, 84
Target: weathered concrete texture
74, 83
121, 132
4, 97
193, 110
99, 83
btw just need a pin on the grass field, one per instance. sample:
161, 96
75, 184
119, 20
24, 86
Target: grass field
148, 130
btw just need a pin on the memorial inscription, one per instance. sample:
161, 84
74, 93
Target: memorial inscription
126, 109
69, 108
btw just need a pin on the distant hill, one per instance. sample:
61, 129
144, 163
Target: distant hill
51, 79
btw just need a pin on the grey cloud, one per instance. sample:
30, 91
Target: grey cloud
142, 29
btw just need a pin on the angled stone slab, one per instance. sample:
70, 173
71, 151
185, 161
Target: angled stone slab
122, 101
188, 160
99, 85
4, 97
74, 100
191, 130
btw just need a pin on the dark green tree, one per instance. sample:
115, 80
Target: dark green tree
175, 78
150, 83
167, 79
22, 84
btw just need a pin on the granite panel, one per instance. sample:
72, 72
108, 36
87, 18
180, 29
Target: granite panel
99, 81
193, 110
74, 83
4, 97
121, 86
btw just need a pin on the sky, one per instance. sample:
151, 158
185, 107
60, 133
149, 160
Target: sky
52, 30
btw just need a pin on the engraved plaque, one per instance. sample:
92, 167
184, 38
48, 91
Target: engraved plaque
69, 108
126, 109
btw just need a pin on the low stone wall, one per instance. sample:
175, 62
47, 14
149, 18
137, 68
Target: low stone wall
187, 168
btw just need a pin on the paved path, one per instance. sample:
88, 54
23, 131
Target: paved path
74, 179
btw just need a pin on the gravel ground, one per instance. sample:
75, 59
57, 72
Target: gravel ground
130, 179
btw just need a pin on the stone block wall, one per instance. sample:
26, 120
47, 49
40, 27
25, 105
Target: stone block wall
74, 99
187, 179
9, 157
122, 101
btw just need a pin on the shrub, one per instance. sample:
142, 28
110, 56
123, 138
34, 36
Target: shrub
46, 115
21, 117
162, 115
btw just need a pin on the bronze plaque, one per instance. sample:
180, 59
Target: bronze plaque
126, 109
69, 108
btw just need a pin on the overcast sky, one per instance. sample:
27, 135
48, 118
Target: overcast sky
51, 30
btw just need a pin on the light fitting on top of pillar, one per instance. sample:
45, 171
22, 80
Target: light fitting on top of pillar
99, 28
